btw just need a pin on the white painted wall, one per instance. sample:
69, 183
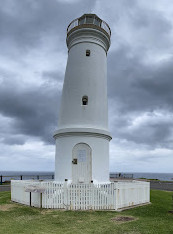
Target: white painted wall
100, 157
85, 76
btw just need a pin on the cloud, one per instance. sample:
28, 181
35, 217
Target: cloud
34, 110
32, 66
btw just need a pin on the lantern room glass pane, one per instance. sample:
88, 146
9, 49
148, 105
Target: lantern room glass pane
97, 22
81, 20
89, 19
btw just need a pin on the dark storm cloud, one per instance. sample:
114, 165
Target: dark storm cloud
135, 89
140, 75
26, 22
14, 140
143, 29
34, 111
138, 86
140, 71
23, 25
155, 135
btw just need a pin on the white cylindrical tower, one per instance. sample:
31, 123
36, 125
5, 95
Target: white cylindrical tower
82, 138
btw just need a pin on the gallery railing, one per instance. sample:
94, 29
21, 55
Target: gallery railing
89, 20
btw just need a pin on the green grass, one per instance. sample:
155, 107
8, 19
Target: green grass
152, 218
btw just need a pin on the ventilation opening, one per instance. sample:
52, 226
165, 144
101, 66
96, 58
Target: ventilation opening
85, 101
87, 52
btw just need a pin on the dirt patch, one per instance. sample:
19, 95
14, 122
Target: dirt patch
7, 207
79, 221
46, 211
123, 219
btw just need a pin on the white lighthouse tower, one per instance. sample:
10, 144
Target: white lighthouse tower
82, 138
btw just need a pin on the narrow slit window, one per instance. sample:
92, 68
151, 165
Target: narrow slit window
87, 52
85, 101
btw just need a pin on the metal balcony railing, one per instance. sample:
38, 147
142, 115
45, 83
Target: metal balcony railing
89, 19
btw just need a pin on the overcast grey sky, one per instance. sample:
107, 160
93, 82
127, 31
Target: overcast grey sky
33, 56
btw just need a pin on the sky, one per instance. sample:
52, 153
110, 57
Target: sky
33, 57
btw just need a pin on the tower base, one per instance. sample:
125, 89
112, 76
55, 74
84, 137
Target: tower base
82, 155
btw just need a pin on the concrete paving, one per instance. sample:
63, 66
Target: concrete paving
4, 188
160, 185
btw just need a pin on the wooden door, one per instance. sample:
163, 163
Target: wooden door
81, 163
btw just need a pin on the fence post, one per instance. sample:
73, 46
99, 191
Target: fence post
1, 179
116, 196
65, 195
21, 177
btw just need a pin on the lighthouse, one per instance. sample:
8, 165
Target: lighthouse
82, 138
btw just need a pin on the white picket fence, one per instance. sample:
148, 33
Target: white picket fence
109, 196
132, 193
79, 196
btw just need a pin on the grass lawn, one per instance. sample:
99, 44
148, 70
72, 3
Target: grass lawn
154, 218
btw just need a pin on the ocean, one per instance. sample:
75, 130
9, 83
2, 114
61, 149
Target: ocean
44, 175
26, 175
159, 176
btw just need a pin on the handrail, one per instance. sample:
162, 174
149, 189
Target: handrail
37, 177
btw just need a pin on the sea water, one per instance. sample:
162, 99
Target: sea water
44, 175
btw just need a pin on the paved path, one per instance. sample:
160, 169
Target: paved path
4, 188
160, 185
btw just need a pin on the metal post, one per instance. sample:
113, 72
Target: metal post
40, 200
1, 179
21, 177
30, 199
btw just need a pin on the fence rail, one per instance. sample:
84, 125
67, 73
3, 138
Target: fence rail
121, 176
4, 178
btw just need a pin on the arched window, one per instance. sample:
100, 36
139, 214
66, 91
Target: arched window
87, 53
84, 100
